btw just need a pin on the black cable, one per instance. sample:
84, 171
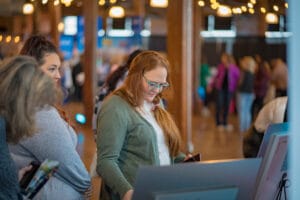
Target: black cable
282, 187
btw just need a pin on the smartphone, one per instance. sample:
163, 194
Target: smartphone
29, 174
195, 158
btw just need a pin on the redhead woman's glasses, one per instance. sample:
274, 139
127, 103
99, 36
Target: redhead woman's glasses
155, 85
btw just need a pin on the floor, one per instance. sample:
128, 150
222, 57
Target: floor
212, 143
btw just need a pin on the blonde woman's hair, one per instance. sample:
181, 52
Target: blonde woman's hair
132, 89
249, 64
24, 90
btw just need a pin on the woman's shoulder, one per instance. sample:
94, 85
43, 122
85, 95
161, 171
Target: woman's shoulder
115, 101
46, 111
115, 104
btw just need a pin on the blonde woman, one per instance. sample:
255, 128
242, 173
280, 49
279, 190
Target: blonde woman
25, 89
246, 92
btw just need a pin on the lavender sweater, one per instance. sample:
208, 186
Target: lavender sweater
55, 140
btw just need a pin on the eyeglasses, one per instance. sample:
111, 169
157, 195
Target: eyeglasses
156, 85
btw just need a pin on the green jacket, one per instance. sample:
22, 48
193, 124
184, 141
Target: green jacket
125, 141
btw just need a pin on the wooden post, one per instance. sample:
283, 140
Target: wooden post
90, 13
55, 17
180, 54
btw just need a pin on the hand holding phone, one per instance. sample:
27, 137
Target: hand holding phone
195, 158
29, 174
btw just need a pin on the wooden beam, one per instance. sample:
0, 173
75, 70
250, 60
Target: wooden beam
55, 17
90, 13
180, 54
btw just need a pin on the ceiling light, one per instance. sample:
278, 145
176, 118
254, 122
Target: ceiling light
8, 39
244, 8
275, 8
17, 39
201, 3
101, 2
60, 27
214, 6
159, 3
116, 12
271, 18
28, 9
237, 10
224, 11
262, 10
250, 5
251, 11
56, 2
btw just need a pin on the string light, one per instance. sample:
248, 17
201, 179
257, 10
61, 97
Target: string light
28, 9
244, 8
201, 3
8, 39
286, 5
116, 12
271, 18
17, 39
224, 11
275, 8
159, 3
56, 2
237, 10
263, 10
251, 11
250, 5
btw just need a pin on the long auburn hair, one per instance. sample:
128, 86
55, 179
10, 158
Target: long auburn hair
131, 92
24, 90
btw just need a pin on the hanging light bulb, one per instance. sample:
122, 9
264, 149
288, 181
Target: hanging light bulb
263, 10
271, 18
116, 12
28, 8
8, 39
17, 39
275, 8
224, 11
56, 2
60, 27
159, 3
67, 3
201, 3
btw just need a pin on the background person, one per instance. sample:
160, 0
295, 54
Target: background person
225, 82
246, 92
276, 111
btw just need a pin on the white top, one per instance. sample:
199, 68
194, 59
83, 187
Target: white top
163, 150
272, 112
